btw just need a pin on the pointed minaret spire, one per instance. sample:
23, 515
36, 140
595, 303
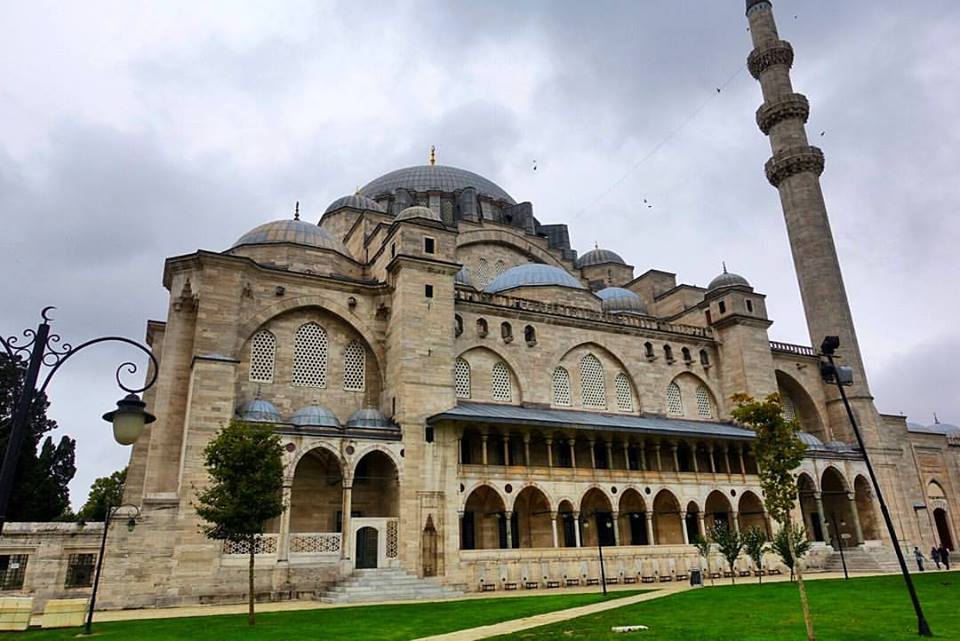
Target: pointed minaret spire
724, 263
433, 154
296, 211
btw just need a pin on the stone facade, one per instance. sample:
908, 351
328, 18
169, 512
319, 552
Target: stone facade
492, 438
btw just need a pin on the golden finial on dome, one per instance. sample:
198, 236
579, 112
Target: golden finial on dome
433, 154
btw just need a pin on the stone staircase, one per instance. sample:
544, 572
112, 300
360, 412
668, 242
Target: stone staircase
386, 584
863, 560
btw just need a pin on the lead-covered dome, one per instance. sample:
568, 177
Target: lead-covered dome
369, 418
727, 279
533, 275
421, 178
617, 300
599, 257
314, 416
424, 213
291, 231
356, 201
811, 441
258, 411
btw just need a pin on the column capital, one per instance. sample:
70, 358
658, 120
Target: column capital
851, 496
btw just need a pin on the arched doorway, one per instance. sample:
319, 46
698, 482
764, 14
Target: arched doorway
869, 523
316, 503
367, 547
807, 491
633, 519
718, 510
532, 518
692, 521
567, 525
752, 515
483, 526
943, 528
837, 507
376, 486
596, 518
667, 526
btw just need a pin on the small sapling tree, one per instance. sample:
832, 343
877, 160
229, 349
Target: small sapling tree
755, 545
729, 544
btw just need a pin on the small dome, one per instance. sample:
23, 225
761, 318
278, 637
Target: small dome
314, 416
727, 279
463, 277
291, 231
839, 446
369, 418
934, 428
811, 441
258, 411
533, 274
617, 300
598, 257
355, 201
418, 212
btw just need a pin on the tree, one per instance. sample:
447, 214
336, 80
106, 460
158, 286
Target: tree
779, 452
729, 544
105, 491
755, 545
703, 548
782, 542
40, 491
246, 471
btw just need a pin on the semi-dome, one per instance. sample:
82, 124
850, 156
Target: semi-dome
355, 201
314, 416
599, 257
258, 411
291, 231
369, 418
617, 300
811, 441
423, 178
463, 277
727, 279
417, 211
533, 275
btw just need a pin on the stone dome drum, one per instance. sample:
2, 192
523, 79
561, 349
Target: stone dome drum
617, 300
298, 232
422, 178
424, 213
533, 275
355, 201
599, 257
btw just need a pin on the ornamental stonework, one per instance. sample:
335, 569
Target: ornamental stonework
778, 53
784, 108
794, 160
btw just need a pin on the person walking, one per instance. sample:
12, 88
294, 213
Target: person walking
935, 555
945, 556
918, 555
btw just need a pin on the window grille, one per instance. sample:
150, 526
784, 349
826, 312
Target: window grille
561, 387
674, 401
354, 367
79, 571
499, 267
624, 396
263, 352
461, 378
13, 567
500, 382
789, 407
310, 356
592, 390
704, 406
483, 273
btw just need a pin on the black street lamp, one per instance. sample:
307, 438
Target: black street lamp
44, 350
603, 574
842, 376
131, 523
843, 561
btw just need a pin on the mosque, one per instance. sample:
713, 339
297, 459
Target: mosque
468, 403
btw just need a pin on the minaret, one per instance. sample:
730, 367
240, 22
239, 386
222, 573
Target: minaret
794, 169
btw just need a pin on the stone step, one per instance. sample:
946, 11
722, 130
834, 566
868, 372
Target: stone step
385, 584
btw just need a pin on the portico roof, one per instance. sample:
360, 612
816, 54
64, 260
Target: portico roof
545, 417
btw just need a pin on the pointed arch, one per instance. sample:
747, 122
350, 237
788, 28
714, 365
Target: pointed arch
263, 356
461, 378
310, 356
561, 387
624, 393
500, 385
667, 524
674, 400
483, 526
354, 367
482, 362
804, 408
704, 402
593, 392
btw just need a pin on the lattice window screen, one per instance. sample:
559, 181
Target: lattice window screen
354, 367
624, 396
704, 406
461, 378
483, 273
593, 391
310, 356
789, 408
561, 387
263, 353
674, 401
500, 383
499, 267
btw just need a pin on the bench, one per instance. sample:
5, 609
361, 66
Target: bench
572, 582
553, 584
629, 579
510, 585
488, 587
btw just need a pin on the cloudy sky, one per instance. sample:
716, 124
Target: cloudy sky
133, 131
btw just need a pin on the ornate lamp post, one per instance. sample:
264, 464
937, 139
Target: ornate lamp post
131, 523
44, 350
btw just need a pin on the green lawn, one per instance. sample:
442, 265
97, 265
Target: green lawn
865, 609
375, 622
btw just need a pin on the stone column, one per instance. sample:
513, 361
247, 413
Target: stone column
615, 517
713, 463
650, 538
526, 449
743, 465
824, 526
553, 524
283, 550
460, 529
701, 526
696, 464
508, 518
345, 510
609, 445
549, 452
626, 454
483, 447
460, 450
573, 452
726, 459
506, 449
683, 527
643, 455
576, 528
735, 516
593, 454
676, 458
656, 451
857, 530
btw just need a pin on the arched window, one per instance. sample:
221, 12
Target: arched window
704, 358
648, 348
310, 356
263, 353
668, 353
561, 387
674, 401
624, 396
704, 406
482, 327
530, 335
499, 267
461, 378
457, 325
687, 358
354, 367
789, 407
500, 388
483, 273
593, 393
506, 332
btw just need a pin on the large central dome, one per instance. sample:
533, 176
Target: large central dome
434, 178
